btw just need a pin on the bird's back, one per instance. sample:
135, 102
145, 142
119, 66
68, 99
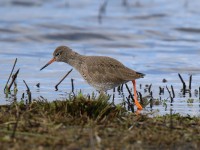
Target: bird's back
106, 73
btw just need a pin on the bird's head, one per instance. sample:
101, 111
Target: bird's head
61, 54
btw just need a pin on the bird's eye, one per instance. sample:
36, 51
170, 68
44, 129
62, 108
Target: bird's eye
57, 54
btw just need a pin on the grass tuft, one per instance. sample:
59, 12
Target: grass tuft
92, 123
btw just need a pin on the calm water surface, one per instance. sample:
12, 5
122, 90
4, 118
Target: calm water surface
160, 38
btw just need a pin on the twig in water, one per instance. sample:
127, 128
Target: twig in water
190, 86
196, 92
161, 90
130, 92
186, 3
13, 79
164, 80
124, 2
56, 87
26, 85
151, 100
22, 98
10, 74
113, 95
102, 10
190, 82
130, 105
119, 89
146, 88
72, 83
38, 85
173, 93
184, 85
140, 86
149, 89
141, 100
151, 103
169, 94
151, 94
122, 88
199, 93
28, 92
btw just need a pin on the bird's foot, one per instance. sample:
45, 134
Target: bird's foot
139, 107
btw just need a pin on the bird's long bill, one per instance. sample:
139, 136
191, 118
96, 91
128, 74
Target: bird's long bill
51, 61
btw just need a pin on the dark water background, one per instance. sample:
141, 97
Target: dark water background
160, 38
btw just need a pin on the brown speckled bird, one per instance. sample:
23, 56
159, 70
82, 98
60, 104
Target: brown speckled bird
101, 72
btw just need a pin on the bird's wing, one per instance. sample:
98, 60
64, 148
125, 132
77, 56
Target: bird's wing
106, 69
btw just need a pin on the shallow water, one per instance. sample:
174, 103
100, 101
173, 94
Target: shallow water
157, 37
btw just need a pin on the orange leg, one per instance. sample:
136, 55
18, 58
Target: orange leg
139, 107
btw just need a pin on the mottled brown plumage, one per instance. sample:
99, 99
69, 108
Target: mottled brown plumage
101, 72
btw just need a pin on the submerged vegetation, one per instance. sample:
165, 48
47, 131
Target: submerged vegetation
92, 123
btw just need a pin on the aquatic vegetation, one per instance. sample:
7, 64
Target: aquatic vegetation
190, 100
93, 122
82, 122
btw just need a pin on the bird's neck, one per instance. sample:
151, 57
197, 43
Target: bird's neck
75, 60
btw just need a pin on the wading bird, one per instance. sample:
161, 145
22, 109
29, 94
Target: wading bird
101, 72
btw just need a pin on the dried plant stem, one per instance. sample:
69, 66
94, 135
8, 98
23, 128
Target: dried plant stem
28, 92
169, 94
72, 83
173, 93
56, 87
190, 82
10, 74
130, 94
13, 79
184, 85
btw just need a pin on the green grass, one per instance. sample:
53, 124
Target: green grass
92, 123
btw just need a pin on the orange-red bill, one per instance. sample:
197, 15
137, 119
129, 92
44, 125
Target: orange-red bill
51, 61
